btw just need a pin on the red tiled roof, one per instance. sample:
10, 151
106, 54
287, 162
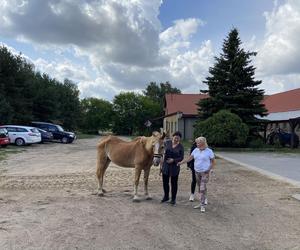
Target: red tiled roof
283, 102
185, 103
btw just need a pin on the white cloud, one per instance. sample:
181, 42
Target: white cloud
122, 40
278, 56
63, 69
279, 83
115, 31
281, 51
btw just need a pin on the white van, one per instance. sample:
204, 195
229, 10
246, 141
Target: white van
21, 135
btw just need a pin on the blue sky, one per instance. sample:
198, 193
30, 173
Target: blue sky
109, 46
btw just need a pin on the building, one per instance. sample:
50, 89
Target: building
181, 113
283, 111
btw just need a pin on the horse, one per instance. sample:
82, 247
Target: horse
140, 153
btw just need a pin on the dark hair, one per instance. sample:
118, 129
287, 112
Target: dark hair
177, 133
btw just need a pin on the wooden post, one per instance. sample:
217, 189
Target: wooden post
293, 124
265, 132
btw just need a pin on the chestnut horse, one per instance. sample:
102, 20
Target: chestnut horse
140, 153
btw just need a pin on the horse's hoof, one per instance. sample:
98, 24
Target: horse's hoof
104, 191
148, 198
100, 194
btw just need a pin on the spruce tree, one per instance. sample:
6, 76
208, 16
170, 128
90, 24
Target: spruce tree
231, 84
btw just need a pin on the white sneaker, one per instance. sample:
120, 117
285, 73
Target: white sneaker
202, 209
192, 197
197, 206
205, 201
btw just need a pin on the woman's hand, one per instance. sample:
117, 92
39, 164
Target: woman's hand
170, 160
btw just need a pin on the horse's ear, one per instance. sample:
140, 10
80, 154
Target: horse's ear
155, 133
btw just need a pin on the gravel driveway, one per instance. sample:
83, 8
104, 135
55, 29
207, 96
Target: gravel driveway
46, 202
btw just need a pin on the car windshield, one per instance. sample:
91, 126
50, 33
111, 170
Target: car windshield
60, 128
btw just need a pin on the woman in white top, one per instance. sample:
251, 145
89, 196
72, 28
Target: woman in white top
204, 161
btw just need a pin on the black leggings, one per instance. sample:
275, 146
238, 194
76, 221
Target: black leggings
174, 186
193, 183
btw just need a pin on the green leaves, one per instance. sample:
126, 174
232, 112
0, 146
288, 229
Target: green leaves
97, 115
27, 95
231, 83
131, 110
223, 129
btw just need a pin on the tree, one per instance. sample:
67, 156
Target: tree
131, 111
157, 93
69, 107
26, 95
96, 115
16, 75
231, 84
223, 129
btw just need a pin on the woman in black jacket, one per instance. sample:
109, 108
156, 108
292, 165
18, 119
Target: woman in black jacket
174, 153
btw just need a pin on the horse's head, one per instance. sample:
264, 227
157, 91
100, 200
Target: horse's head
158, 146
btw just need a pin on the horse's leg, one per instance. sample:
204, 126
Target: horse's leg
102, 164
138, 171
146, 177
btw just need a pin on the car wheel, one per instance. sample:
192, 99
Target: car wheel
64, 140
19, 142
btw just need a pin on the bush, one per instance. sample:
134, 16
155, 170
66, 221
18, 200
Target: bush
223, 129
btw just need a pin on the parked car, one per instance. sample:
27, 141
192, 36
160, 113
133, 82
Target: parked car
21, 135
46, 136
4, 139
58, 132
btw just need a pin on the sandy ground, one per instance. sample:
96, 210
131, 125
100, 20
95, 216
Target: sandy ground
46, 202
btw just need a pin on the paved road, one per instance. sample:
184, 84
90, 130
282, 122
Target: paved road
282, 164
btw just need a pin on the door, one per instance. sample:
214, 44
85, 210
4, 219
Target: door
12, 133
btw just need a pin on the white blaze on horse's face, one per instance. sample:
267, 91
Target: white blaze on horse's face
157, 153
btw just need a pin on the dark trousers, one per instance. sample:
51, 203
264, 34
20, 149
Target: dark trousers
174, 186
193, 183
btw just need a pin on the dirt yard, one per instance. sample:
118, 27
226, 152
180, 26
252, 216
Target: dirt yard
46, 202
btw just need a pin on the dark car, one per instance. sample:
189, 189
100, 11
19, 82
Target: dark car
4, 139
46, 136
58, 132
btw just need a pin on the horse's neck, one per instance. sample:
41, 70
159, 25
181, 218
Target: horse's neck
148, 144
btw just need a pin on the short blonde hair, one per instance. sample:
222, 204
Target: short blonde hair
201, 139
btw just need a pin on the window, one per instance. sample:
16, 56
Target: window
11, 129
52, 129
21, 130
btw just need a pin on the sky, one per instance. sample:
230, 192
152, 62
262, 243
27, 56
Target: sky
110, 46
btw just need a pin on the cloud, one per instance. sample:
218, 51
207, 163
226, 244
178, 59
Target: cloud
123, 41
280, 51
62, 69
279, 83
116, 31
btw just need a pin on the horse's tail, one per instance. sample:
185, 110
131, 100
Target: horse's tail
102, 156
